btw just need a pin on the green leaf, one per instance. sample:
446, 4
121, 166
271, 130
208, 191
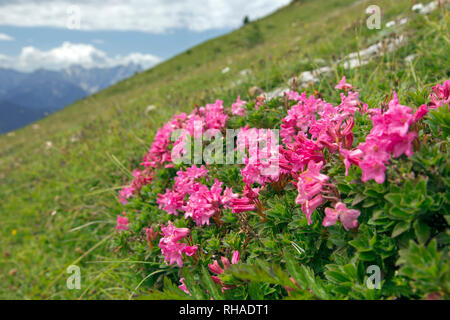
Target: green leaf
367, 256
394, 198
447, 218
304, 276
259, 271
422, 231
369, 203
256, 290
399, 214
294, 270
400, 227
358, 198
192, 287
313, 283
171, 292
426, 268
361, 245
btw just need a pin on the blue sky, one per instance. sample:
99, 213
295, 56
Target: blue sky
54, 34
117, 42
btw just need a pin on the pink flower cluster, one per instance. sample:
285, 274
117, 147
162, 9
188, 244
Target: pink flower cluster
201, 203
261, 162
174, 199
140, 178
440, 95
311, 126
296, 155
206, 202
247, 202
171, 247
237, 108
312, 132
187, 195
292, 95
320, 121
122, 222
300, 117
159, 154
439, 98
211, 117
390, 135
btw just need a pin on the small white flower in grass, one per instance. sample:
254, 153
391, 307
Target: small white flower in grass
418, 7
245, 72
390, 24
150, 108
403, 21
410, 58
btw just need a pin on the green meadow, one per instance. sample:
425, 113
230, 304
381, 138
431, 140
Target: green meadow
59, 177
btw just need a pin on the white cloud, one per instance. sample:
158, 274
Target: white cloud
3, 59
5, 37
67, 54
98, 41
154, 16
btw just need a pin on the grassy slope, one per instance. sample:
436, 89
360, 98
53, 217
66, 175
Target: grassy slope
58, 204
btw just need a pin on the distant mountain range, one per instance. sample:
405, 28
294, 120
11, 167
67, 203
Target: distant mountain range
28, 97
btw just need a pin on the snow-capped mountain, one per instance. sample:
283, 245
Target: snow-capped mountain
95, 79
27, 97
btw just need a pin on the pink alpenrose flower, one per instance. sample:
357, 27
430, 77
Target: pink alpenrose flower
235, 257
343, 85
122, 222
190, 250
237, 108
309, 187
151, 234
350, 157
125, 194
420, 112
348, 217
217, 269
170, 247
183, 287
440, 95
